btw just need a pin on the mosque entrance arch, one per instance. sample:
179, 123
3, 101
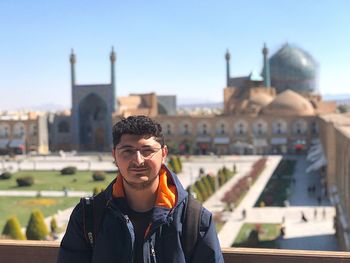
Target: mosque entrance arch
92, 123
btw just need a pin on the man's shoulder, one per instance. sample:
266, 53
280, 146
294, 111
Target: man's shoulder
206, 219
77, 211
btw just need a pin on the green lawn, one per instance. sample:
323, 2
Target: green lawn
23, 206
268, 233
279, 186
275, 192
53, 180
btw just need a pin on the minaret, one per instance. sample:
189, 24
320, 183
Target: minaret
266, 73
72, 60
113, 58
227, 57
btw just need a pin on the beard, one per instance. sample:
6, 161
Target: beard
140, 185
147, 181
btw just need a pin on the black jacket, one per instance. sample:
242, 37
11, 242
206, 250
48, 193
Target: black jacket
116, 236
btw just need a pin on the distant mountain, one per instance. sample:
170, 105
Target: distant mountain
45, 107
210, 105
337, 97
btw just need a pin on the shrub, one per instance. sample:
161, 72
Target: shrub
203, 191
97, 190
175, 164
69, 170
253, 238
198, 193
180, 163
36, 228
170, 166
99, 176
25, 181
5, 175
207, 186
211, 181
13, 230
53, 225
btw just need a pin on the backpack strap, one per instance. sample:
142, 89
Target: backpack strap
93, 209
193, 210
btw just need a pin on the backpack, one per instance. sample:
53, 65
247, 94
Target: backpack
93, 209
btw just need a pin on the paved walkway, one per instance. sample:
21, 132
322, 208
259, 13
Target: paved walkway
232, 226
315, 234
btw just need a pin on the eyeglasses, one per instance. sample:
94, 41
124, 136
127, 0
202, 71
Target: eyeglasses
128, 153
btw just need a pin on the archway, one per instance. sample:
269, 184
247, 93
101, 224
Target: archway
92, 123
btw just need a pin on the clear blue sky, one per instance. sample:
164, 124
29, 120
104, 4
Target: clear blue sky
169, 47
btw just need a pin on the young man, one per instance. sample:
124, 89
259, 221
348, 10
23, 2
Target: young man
143, 220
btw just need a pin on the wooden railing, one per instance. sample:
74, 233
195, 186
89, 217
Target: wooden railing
46, 252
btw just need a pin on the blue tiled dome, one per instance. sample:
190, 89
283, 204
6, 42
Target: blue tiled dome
293, 68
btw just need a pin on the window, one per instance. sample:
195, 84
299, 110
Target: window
186, 129
19, 130
204, 130
222, 132
279, 131
33, 130
240, 129
259, 127
4, 131
299, 127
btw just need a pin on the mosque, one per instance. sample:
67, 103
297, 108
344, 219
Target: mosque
272, 112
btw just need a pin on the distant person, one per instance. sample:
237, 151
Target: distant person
146, 212
65, 191
244, 214
303, 217
319, 200
282, 231
315, 213
324, 213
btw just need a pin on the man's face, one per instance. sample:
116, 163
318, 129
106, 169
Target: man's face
139, 159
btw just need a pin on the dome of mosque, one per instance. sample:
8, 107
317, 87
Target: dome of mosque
260, 99
293, 68
289, 103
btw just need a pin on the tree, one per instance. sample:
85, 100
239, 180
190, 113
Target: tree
174, 163
96, 190
342, 108
208, 188
53, 225
25, 181
12, 229
5, 175
36, 228
99, 176
69, 170
180, 163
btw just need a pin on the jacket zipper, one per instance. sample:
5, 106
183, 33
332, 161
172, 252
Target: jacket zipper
153, 252
127, 221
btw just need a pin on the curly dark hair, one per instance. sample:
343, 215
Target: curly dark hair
137, 125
